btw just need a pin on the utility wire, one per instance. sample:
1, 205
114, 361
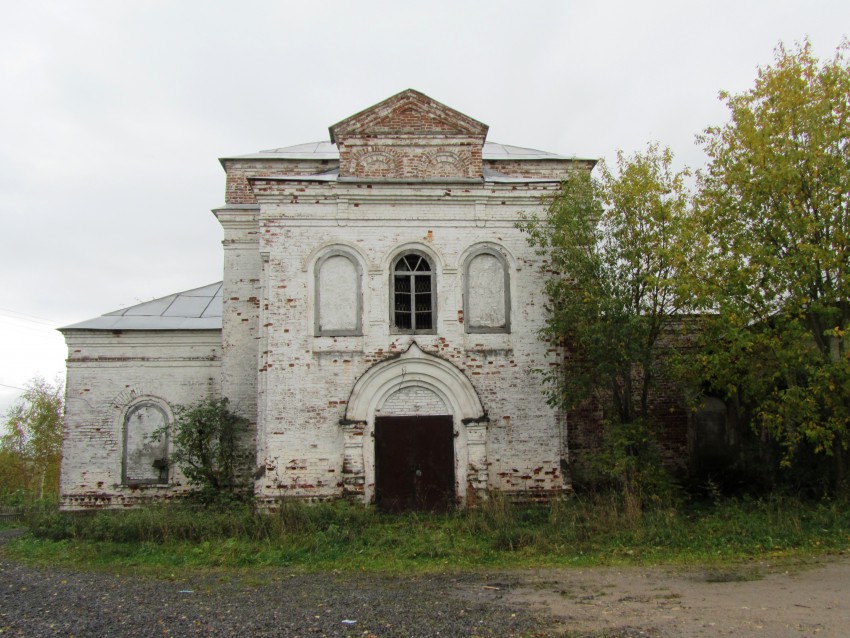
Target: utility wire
35, 327
25, 317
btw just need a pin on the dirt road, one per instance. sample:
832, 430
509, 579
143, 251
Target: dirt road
811, 599
799, 599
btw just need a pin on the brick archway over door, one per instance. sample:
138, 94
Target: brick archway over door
447, 384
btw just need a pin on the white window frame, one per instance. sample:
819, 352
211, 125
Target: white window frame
394, 328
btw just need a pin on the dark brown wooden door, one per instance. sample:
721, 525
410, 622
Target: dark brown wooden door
414, 463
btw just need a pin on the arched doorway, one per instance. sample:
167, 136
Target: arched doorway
418, 433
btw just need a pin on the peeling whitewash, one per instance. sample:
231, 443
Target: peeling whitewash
486, 289
308, 350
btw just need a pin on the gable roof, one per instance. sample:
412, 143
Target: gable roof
394, 113
196, 309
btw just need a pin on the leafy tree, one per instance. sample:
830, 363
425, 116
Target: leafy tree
617, 247
31, 446
776, 197
205, 442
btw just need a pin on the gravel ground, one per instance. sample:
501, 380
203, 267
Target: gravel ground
40, 602
748, 599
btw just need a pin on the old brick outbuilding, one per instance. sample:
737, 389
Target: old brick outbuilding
377, 323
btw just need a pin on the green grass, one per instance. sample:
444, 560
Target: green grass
579, 532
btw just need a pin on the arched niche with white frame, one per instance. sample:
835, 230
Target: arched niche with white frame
145, 428
338, 308
486, 290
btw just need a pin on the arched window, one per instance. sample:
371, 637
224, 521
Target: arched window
413, 299
486, 295
145, 444
338, 299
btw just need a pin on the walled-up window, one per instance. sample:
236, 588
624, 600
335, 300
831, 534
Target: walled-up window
145, 445
487, 293
338, 298
414, 295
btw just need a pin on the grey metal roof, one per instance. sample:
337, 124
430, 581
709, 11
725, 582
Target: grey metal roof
326, 150
196, 309
495, 151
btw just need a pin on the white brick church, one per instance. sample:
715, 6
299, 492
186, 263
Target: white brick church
377, 323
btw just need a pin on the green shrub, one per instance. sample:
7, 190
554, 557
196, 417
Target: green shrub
205, 438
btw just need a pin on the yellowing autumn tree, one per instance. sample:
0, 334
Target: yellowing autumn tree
776, 199
31, 444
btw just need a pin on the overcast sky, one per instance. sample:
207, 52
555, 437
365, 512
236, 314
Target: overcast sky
113, 115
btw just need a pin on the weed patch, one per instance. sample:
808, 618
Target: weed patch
595, 530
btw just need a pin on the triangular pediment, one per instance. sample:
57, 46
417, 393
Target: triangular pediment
408, 113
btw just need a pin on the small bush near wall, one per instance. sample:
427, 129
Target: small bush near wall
205, 446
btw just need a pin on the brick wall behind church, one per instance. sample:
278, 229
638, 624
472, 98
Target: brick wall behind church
668, 409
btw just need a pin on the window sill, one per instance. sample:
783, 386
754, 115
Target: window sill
486, 342
338, 344
135, 485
